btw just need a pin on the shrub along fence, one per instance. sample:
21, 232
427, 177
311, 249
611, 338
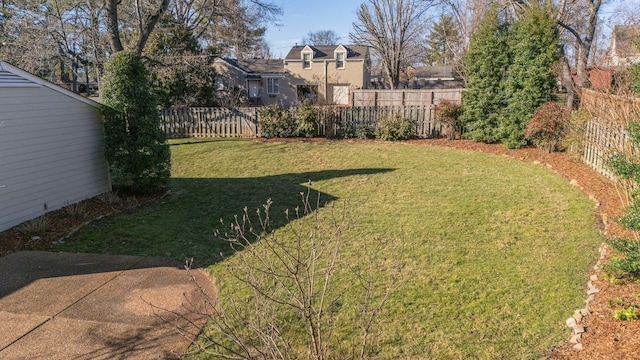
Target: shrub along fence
243, 122
606, 131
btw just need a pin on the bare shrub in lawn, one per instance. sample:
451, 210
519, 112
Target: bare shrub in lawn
293, 304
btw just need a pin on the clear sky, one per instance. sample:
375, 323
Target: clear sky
302, 16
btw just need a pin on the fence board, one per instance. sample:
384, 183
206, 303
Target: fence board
209, 122
243, 122
606, 131
404, 97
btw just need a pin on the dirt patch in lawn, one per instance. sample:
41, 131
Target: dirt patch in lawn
605, 337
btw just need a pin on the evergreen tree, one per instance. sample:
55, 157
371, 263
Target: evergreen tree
136, 149
442, 42
486, 63
182, 73
531, 79
510, 74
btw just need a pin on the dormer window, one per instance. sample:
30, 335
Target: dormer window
306, 61
340, 60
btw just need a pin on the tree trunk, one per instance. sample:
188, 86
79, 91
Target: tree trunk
150, 25
112, 26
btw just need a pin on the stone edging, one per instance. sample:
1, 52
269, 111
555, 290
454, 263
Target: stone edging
575, 322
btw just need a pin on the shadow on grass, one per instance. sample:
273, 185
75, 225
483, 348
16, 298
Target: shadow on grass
179, 227
182, 226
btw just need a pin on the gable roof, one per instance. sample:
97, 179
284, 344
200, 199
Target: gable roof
354, 52
626, 38
433, 72
257, 66
12, 77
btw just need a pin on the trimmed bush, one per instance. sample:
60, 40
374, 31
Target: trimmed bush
306, 119
136, 148
366, 132
396, 128
627, 266
548, 127
275, 122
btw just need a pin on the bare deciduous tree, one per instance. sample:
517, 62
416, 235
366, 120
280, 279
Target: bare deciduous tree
578, 19
321, 37
393, 29
293, 303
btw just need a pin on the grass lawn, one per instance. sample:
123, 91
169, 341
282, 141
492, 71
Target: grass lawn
497, 251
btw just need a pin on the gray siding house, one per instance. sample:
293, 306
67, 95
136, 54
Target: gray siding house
51, 147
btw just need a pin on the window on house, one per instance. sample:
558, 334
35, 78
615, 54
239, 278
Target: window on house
306, 61
273, 86
340, 60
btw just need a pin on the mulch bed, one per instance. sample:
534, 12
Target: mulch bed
59, 224
605, 337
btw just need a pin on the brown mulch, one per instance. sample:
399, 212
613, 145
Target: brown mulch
605, 337
55, 226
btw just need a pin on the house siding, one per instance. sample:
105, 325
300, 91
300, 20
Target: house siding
51, 152
325, 75
235, 77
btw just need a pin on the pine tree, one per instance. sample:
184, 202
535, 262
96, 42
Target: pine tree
510, 74
531, 79
442, 42
486, 63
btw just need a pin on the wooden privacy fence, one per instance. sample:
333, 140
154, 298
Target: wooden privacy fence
243, 122
606, 131
334, 119
209, 122
404, 97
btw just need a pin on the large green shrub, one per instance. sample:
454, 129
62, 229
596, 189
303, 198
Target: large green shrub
396, 128
306, 118
485, 63
625, 164
182, 74
275, 122
509, 69
136, 149
531, 79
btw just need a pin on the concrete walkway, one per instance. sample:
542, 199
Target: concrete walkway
87, 306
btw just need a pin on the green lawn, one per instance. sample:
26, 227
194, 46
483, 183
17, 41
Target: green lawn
498, 251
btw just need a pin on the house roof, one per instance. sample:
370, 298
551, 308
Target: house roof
626, 38
12, 77
354, 52
433, 72
257, 66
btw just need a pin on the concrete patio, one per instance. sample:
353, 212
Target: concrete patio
89, 306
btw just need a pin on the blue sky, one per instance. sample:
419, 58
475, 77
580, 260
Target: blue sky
301, 16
